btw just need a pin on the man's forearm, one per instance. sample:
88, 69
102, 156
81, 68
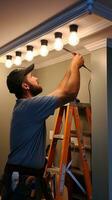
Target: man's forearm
65, 79
68, 88
73, 84
71, 81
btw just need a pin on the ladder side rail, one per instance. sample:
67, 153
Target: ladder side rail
64, 153
82, 152
88, 116
57, 128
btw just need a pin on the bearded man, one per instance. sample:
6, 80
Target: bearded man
25, 164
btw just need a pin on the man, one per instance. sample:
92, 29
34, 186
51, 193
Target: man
24, 168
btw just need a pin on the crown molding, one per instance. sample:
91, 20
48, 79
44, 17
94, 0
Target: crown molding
96, 45
102, 10
95, 28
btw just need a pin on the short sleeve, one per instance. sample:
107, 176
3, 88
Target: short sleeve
43, 106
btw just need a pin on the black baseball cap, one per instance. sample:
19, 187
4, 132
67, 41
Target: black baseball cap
16, 77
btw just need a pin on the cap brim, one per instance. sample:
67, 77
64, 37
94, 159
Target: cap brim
28, 69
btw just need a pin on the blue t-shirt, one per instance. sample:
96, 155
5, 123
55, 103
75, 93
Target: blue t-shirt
28, 130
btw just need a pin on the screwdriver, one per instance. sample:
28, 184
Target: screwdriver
75, 54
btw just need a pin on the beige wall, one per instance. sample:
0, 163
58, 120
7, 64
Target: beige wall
6, 102
49, 78
101, 131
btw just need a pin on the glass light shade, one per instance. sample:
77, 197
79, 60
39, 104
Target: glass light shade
73, 38
8, 62
29, 55
44, 50
58, 44
18, 60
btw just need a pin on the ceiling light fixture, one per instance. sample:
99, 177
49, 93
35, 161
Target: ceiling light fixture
58, 44
30, 54
44, 49
18, 60
8, 62
73, 38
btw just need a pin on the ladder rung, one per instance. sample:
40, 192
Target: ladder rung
77, 171
86, 147
85, 133
81, 105
58, 136
53, 170
77, 196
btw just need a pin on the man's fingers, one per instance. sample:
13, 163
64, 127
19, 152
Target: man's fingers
74, 53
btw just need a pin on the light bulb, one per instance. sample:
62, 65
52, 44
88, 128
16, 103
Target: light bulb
18, 60
30, 54
73, 38
8, 62
58, 44
43, 49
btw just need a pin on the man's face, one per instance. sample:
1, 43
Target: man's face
33, 84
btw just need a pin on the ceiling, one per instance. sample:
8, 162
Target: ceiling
19, 17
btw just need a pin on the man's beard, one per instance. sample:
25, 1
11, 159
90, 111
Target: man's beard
35, 90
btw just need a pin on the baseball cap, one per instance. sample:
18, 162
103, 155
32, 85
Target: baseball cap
16, 77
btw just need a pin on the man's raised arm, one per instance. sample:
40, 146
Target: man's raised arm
68, 88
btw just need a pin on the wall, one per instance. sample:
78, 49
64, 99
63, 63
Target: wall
6, 103
109, 93
100, 132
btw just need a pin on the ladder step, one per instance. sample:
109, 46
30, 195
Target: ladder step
81, 105
58, 136
86, 147
77, 171
78, 197
85, 133
53, 170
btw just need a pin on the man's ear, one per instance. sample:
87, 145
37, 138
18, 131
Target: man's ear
25, 86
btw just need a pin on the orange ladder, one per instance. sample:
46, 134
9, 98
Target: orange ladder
71, 112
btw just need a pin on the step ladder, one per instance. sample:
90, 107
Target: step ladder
71, 113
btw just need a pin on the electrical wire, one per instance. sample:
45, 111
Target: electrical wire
89, 90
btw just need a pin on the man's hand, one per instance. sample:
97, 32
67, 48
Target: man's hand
77, 61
